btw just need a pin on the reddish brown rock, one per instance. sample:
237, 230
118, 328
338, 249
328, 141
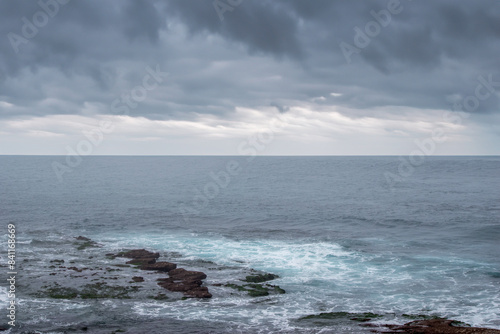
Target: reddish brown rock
138, 279
438, 326
183, 274
178, 286
140, 261
199, 292
160, 266
139, 254
188, 282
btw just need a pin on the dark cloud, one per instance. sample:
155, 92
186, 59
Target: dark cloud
263, 26
260, 53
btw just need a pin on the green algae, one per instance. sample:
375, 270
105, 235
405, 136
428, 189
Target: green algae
260, 278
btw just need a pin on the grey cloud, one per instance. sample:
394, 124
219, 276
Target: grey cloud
264, 26
264, 53
282, 109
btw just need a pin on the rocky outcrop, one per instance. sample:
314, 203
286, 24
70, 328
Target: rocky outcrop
260, 278
186, 275
438, 326
179, 280
138, 254
188, 282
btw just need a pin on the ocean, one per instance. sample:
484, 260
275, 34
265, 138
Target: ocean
341, 235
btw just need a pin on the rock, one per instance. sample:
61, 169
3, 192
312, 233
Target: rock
84, 243
141, 261
138, 254
438, 326
57, 261
160, 266
188, 282
183, 274
171, 285
260, 278
199, 292
138, 279
367, 316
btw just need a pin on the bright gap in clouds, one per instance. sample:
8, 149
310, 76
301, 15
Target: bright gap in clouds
303, 130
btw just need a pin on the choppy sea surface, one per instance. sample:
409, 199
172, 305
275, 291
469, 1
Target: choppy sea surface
339, 235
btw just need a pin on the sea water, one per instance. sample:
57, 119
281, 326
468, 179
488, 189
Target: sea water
344, 234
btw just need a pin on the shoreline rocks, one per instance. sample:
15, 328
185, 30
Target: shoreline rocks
101, 279
428, 325
179, 280
188, 282
138, 254
438, 326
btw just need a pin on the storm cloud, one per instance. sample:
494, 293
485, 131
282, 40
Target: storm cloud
232, 65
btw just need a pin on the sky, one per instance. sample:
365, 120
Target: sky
238, 77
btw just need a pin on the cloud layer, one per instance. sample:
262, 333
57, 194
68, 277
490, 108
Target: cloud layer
65, 63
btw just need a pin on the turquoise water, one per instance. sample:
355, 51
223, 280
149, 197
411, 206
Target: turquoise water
339, 237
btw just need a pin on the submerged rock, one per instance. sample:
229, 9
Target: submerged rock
88, 291
257, 290
367, 316
83, 243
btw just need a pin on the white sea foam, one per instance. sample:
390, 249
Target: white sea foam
322, 276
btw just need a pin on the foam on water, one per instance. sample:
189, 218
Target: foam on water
324, 276
4, 298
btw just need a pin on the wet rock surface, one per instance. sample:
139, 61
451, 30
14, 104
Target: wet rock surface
427, 324
138, 254
108, 276
159, 266
188, 282
438, 326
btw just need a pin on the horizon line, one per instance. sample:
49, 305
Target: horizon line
238, 155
